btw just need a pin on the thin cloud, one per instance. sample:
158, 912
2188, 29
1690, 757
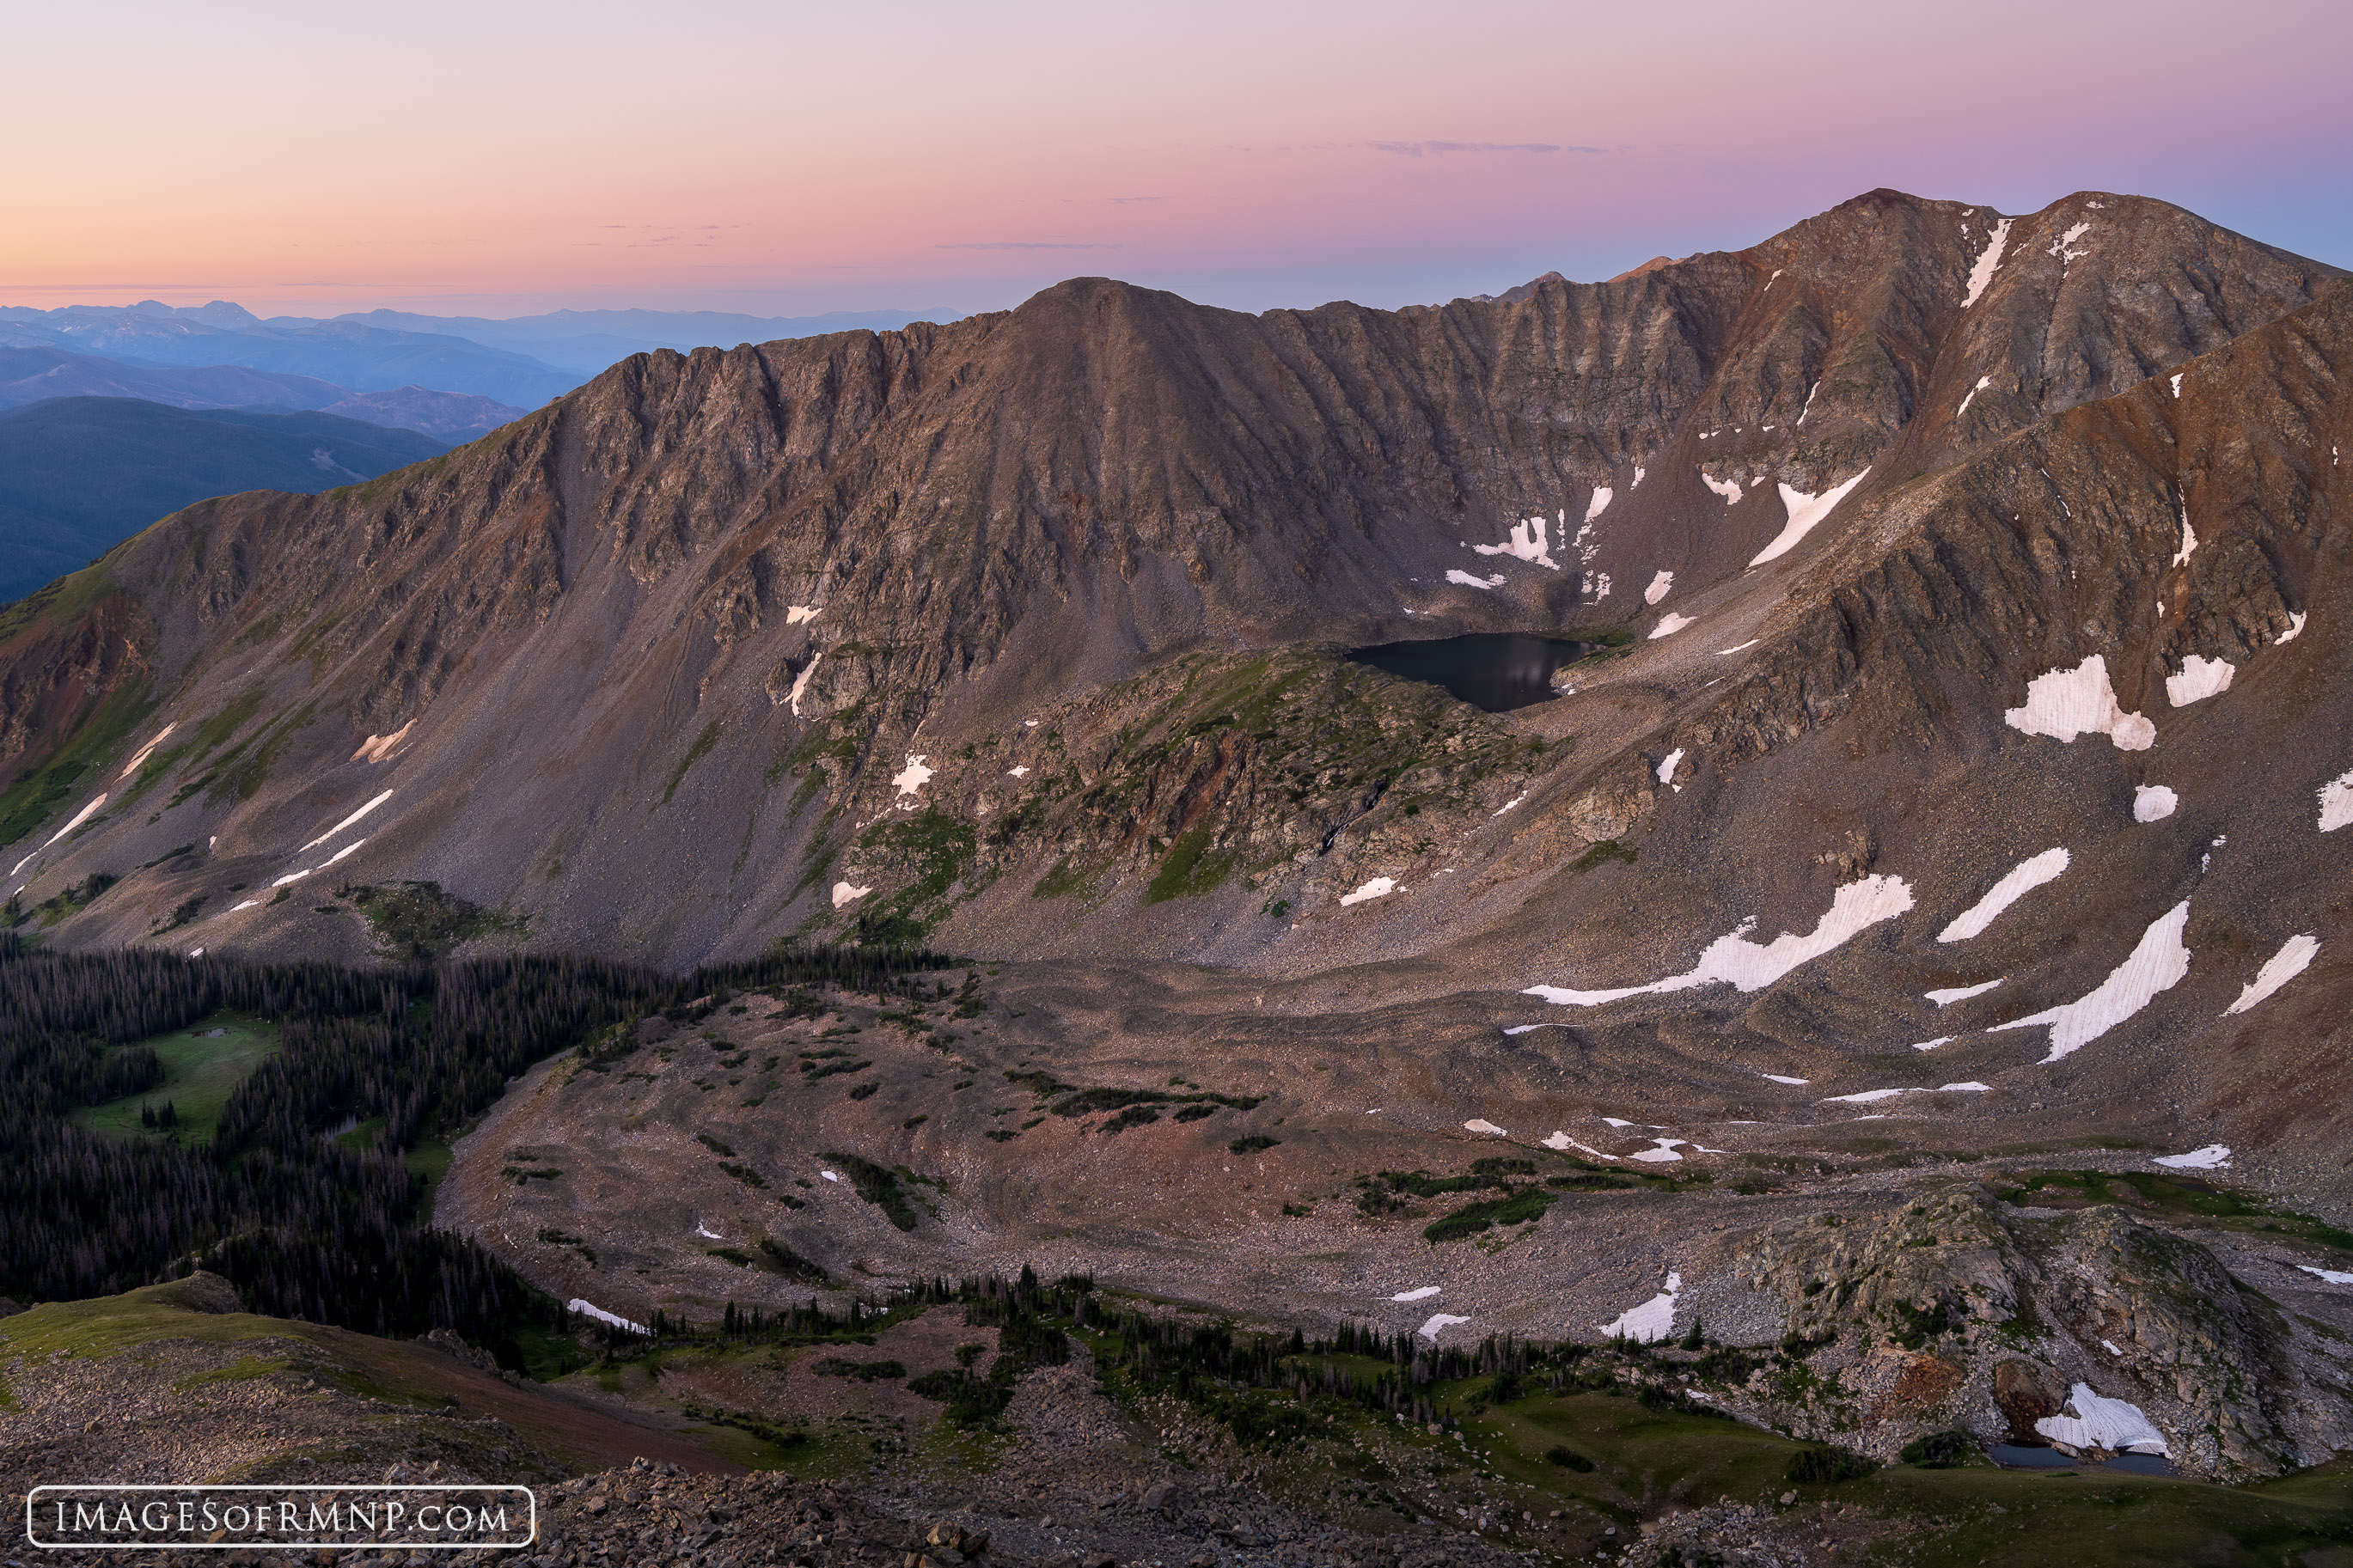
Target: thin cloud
1021, 245
1424, 149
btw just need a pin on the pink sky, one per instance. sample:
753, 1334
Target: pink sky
507, 158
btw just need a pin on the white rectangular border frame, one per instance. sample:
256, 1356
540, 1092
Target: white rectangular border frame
32, 1498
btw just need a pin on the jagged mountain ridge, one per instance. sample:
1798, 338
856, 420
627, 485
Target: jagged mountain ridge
1101, 509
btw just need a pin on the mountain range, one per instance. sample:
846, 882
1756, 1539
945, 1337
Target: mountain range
1934, 812
522, 361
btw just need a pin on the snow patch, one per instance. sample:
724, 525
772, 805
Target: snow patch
140, 754
1749, 967
2335, 805
1378, 887
2061, 247
845, 892
1527, 542
2176, 384
1946, 997
1597, 585
2213, 1157
1667, 767
1508, 804
1663, 1152
1970, 1086
797, 614
379, 748
353, 847
2295, 629
2066, 703
2090, 1421
1482, 1126
1659, 588
247, 904
2022, 879
1742, 647
1989, 259
800, 681
1728, 489
1805, 511
1468, 580
2158, 963
830, 1175
1601, 499
1669, 625
2153, 803
912, 777
1562, 1142
1653, 1319
346, 822
2333, 1276
1868, 1097
2292, 960
1983, 382
1420, 1293
1439, 1323
1776, 1077
1939, 1040
1021, 773
1638, 475
588, 1309
2199, 679
84, 815
704, 1231
2188, 540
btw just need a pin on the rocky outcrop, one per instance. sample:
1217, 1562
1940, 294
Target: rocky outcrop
1959, 1310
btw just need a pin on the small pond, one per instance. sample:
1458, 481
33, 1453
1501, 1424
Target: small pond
1495, 670
2020, 1457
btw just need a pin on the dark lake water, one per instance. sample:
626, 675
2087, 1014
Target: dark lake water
2017, 1456
1495, 670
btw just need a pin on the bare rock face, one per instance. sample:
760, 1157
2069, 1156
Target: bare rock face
821, 558
1960, 1312
2025, 1394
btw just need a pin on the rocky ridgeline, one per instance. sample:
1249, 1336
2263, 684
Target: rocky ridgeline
854, 563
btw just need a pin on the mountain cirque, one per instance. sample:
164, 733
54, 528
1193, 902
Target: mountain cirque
1915, 544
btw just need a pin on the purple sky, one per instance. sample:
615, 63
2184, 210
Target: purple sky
793, 159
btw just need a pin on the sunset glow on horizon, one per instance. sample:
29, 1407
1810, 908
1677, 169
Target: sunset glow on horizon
500, 160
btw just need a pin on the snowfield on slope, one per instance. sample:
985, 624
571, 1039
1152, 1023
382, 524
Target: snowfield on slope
1987, 261
2336, 803
1527, 542
2091, 1422
346, 822
1805, 511
1745, 966
2066, 703
2199, 679
2282, 966
2022, 879
2158, 963
1653, 1321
